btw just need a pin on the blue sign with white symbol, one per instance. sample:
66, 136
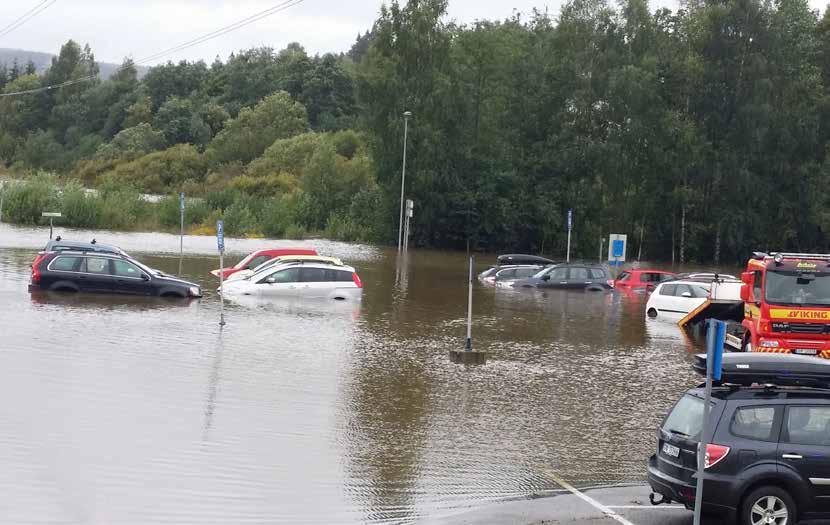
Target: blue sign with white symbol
618, 248
570, 219
220, 235
181, 201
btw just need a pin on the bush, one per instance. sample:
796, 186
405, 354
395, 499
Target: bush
168, 214
162, 171
79, 209
123, 209
278, 215
294, 231
240, 220
23, 202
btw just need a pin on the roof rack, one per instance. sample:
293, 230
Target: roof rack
774, 369
823, 256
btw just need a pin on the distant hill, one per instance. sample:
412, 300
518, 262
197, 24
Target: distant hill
42, 61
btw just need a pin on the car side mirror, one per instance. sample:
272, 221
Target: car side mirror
745, 293
546, 277
686, 294
145, 277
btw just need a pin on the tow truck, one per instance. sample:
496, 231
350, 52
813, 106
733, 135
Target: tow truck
782, 305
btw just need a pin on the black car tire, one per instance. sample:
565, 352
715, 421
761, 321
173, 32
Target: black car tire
594, 289
759, 499
652, 313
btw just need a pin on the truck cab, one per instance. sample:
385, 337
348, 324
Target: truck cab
787, 304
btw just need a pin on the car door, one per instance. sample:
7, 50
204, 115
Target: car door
282, 282
805, 447
129, 279
95, 275
556, 278
578, 278
314, 282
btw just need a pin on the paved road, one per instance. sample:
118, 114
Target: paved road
629, 504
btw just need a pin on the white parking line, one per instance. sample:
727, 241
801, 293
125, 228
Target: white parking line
646, 507
588, 499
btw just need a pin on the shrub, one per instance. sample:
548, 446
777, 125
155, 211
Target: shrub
162, 171
23, 202
240, 220
79, 209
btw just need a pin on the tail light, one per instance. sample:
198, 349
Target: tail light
356, 280
610, 283
714, 455
36, 268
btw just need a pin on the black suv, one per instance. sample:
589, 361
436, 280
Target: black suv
768, 457
104, 272
574, 276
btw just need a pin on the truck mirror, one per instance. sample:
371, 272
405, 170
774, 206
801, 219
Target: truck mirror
747, 277
745, 293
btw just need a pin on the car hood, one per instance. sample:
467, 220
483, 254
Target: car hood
169, 279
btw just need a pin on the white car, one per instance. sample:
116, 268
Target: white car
312, 280
283, 259
675, 299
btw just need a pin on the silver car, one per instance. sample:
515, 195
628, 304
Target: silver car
312, 280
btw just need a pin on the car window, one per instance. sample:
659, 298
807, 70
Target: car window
312, 275
686, 418
559, 274
521, 273
579, 274
624, 276
97, 265
505, 274
289, 275
64, 264
666, 277
338, 276
597, 273
256, 261
753, 423
668, 289
125, 269
808, 425
683, 289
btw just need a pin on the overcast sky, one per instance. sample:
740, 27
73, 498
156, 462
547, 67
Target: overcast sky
140, 28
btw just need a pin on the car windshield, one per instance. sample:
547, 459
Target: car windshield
686, 419
544, 271
797, 288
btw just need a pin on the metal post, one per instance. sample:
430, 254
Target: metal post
221, 289
570, 227
469, 346
50, 228
181, 236
711, 343
406, 116
601, 246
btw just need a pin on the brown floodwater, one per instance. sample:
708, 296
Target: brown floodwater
132, 410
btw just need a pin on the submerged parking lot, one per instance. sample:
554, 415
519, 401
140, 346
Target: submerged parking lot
129, 410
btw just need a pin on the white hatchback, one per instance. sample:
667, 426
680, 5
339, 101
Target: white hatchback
675, 299
308, 280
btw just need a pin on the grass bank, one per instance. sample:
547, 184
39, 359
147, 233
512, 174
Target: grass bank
123, 208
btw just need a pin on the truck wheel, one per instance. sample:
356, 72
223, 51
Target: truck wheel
768, 505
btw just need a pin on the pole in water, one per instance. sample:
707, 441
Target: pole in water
469, 346
221, 290
181, 235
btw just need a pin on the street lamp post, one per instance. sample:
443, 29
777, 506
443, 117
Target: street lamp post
406, 116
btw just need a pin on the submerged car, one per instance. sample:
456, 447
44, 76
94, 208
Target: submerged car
254, 259
637, 279
767, 447
283, 259
104, 272
573, 276
59, 244
301, 279
675, 299
508, 273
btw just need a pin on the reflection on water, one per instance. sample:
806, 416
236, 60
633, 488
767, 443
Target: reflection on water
131, 410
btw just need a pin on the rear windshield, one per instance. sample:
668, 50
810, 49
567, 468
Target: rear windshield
686, 419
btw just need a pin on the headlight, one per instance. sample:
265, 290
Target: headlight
195, 291
769, 344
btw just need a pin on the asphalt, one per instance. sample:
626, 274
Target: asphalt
629, 505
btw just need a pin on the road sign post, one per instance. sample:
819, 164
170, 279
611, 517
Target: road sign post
714, 368
181, 236
570, 227
51, 215
220, 242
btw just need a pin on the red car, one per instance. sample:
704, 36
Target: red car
637, 279
254, 259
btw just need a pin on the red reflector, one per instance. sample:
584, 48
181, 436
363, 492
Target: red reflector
36, 269
714, 454
356, 280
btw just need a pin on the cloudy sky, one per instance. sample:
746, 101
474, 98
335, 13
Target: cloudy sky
140, 28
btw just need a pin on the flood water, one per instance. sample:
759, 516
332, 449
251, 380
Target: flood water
144, 411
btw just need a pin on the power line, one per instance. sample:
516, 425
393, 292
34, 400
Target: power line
25, 17
282, 6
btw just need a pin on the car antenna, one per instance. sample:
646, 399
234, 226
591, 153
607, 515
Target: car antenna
93, 241
58, 238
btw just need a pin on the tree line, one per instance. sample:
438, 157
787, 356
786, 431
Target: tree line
701, 132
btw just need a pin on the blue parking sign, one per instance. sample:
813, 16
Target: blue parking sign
220, 235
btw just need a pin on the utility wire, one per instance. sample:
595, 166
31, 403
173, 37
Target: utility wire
282, 6
25, 17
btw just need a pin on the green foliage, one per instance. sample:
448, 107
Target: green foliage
23, 202
247, 136
196, 212
137, 140
161, 171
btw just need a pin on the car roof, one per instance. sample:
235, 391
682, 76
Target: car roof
646, 270
64, 244
309, 258
763, 392
276, 252
687, 281
89, 252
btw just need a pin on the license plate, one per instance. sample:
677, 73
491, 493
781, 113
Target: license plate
805, 351
671, 450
